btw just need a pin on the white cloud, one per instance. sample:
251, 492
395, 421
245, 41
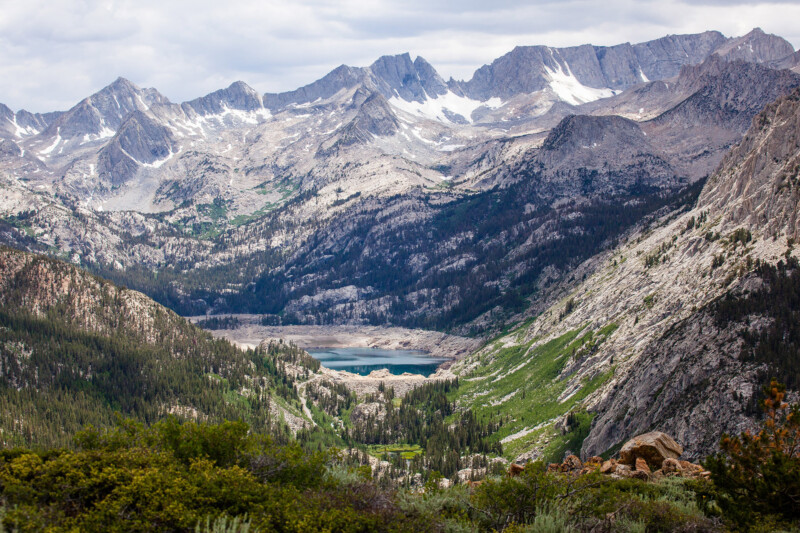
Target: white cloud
54, 53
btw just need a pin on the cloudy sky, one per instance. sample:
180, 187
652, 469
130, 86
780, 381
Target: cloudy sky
55, 52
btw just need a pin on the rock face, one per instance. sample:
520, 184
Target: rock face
391, 76
9, 148
239, 96
756, 181
527, 69
139, 141
653, 448
608, 153
103, 112
757, 47
375, 118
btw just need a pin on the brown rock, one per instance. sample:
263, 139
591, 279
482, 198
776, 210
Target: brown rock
639, 474
653, 447
622, 470
608, 466
671, 466
572, 462
641, 466
514, 470
554, 467
594, 461
686, 465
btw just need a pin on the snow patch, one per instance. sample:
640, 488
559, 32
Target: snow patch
434, 108
570, 90
19, 131
52, 147
642, 76
158, 163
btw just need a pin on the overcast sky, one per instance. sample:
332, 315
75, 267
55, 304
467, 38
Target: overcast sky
55, 52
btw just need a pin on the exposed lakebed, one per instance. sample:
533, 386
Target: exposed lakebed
364, 360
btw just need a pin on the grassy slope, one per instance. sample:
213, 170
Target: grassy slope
521, 385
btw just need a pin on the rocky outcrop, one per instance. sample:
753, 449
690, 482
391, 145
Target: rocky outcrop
9, 148
391, 76
375, 118
648, 457
756, 184
652, 448
756, 47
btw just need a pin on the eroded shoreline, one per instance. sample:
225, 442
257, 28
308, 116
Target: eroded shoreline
251, 333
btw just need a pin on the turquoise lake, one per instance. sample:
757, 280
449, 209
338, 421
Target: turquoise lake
364, 360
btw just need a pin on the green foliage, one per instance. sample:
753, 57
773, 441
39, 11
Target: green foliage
740, 236
57, 377
778, 343
520, 500
526, 386
427, 419
190, 477
632, 505
757, 477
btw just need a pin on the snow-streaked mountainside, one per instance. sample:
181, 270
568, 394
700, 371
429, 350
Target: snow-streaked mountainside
245, 187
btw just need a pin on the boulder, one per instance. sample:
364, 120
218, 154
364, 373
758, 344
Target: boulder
671, 466
641, 466
653, 447
608, 466
572, 462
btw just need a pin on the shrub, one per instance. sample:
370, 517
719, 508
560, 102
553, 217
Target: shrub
757, 477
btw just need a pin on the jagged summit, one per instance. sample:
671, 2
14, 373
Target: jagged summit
756, 46
238, 95
577, 72
99, 115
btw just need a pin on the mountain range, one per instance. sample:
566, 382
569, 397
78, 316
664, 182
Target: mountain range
625, 208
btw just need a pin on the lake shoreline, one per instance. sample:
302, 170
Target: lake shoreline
251, 333
363, 361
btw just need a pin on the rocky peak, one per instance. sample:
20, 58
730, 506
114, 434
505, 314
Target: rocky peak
663, 58
411, 81
238, 96
342, 77
22, 123
757, 47
727, 93
579, 131
603, 155
9, 148
103, 112
431, 81
5, 112
374, 118
528, 69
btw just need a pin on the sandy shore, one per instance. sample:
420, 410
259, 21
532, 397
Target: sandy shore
250, 334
